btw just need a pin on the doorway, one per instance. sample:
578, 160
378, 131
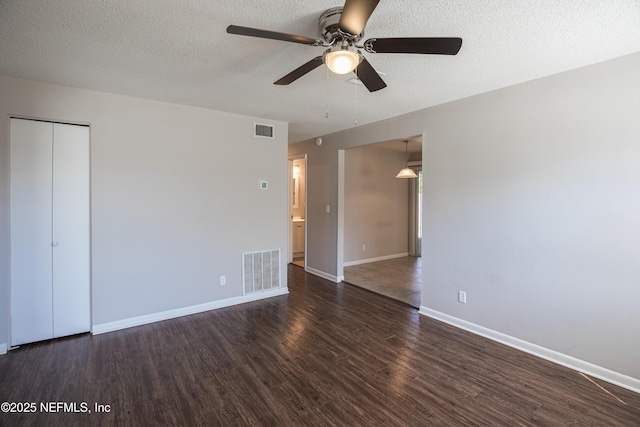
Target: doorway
382, 218
297, 210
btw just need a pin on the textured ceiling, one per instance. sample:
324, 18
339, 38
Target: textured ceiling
178, 51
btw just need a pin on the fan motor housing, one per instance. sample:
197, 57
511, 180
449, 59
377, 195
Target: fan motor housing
329, 26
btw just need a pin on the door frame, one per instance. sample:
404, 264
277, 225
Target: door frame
290, 161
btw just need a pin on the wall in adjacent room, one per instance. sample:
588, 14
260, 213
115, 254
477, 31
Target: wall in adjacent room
376, 204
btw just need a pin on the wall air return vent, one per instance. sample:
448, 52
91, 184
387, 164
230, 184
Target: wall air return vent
263, 131
260, 271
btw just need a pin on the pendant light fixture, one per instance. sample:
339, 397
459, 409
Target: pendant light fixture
407, 172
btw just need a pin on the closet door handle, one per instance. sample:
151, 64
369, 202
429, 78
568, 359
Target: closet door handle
54, 243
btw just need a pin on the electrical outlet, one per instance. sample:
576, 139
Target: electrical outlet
223, 280
364, 247
462, 297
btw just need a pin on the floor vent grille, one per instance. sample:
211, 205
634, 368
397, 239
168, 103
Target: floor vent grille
260, 271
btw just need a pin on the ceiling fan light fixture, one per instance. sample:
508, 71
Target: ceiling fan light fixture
341, 60
341, 28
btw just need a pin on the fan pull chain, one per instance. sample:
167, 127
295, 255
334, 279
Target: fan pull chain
356, 89
326, 86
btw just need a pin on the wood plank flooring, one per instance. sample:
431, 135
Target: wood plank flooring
398, 278
324, 355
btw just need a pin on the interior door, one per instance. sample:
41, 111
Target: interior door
31, 230
70, 215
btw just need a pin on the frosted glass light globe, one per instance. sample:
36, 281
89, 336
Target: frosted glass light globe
342, 61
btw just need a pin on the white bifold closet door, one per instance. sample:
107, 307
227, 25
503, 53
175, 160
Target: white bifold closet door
50, 230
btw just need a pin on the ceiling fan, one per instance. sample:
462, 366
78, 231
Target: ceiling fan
342, 28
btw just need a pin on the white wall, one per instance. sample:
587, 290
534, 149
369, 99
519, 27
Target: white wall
531, 205
376, 204
175, 197
533, 208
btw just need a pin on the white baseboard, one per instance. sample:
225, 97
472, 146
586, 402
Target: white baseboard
565, 360
380, 258
3, 348
184, 311
324, 275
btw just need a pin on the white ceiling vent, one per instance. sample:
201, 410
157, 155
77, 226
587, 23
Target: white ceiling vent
263, 131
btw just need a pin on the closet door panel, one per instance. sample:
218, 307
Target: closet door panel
31, 262
71, 230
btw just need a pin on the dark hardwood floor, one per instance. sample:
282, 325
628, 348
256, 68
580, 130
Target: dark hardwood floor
326, 354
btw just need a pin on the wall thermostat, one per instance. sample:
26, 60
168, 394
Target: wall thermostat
264, 185
318, 141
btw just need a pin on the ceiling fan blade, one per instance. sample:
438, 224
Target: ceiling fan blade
300, 71
273, 35
355, 15
369, 77
426, 45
